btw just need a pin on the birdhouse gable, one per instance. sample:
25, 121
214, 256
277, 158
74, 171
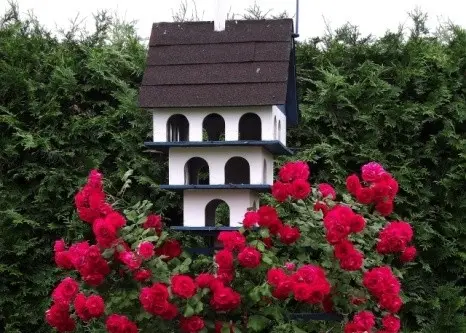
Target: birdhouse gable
250, 63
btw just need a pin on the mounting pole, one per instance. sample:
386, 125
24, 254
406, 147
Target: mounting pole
220, 14
297, 18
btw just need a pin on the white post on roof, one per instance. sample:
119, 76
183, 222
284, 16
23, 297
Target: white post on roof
221, 7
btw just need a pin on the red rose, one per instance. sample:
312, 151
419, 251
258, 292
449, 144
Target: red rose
267, 242
94, 279
131, 260
391, 302
225, 299
343, 249
58, 316
119, 324
364, 195
80, 307
183, 286
372, 172
364, 320
353, 184
146, 250
192, 324
300, 189
203, 280
95, 306
154, 299
327, 191
319, 205
216, 283
275, 275
357, 223
309, 274
385, 208
291, 266
142, 275
380, 281
224, 259
280, 191
170, 312
267, 214
59, 245
249, 257
409, 254
153, 221
294, 170
225, 275
66, 290
63, 260
275, 226
283, 289
302, 291
289, 235
251, 219
232, 240
115, 219
394, 237
170, 249
352, 262
391, 324
105, 233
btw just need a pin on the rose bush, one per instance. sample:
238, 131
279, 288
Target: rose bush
307, 249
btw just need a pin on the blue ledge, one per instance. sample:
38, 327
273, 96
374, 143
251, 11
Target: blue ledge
255, 187
204, 229
275, 147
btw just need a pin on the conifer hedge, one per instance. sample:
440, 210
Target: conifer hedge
68, 104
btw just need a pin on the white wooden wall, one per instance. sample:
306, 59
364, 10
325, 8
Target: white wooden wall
231, 116
195, 202
216, 158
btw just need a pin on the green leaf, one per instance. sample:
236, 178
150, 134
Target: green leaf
267, 259
189, 311
257, 323
264, 233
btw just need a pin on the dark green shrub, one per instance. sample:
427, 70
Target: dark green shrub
65, 106
401, 101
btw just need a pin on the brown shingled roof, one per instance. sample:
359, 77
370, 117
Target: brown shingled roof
191, 65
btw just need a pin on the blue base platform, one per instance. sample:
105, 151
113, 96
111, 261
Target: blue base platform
255, 187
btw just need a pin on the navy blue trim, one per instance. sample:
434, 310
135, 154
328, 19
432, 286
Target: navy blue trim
292, 109
203, 229
308, 316
255, 187
275, 147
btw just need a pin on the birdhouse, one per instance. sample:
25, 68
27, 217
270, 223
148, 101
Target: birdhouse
221, 102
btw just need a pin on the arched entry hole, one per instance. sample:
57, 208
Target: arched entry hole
237, 171
177, 128
217, 214
196, 172
213, 128
250, 127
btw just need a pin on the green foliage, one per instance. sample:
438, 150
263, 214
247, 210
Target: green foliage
66, 105
399, 100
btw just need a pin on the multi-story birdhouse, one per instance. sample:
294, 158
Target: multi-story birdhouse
221, 102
